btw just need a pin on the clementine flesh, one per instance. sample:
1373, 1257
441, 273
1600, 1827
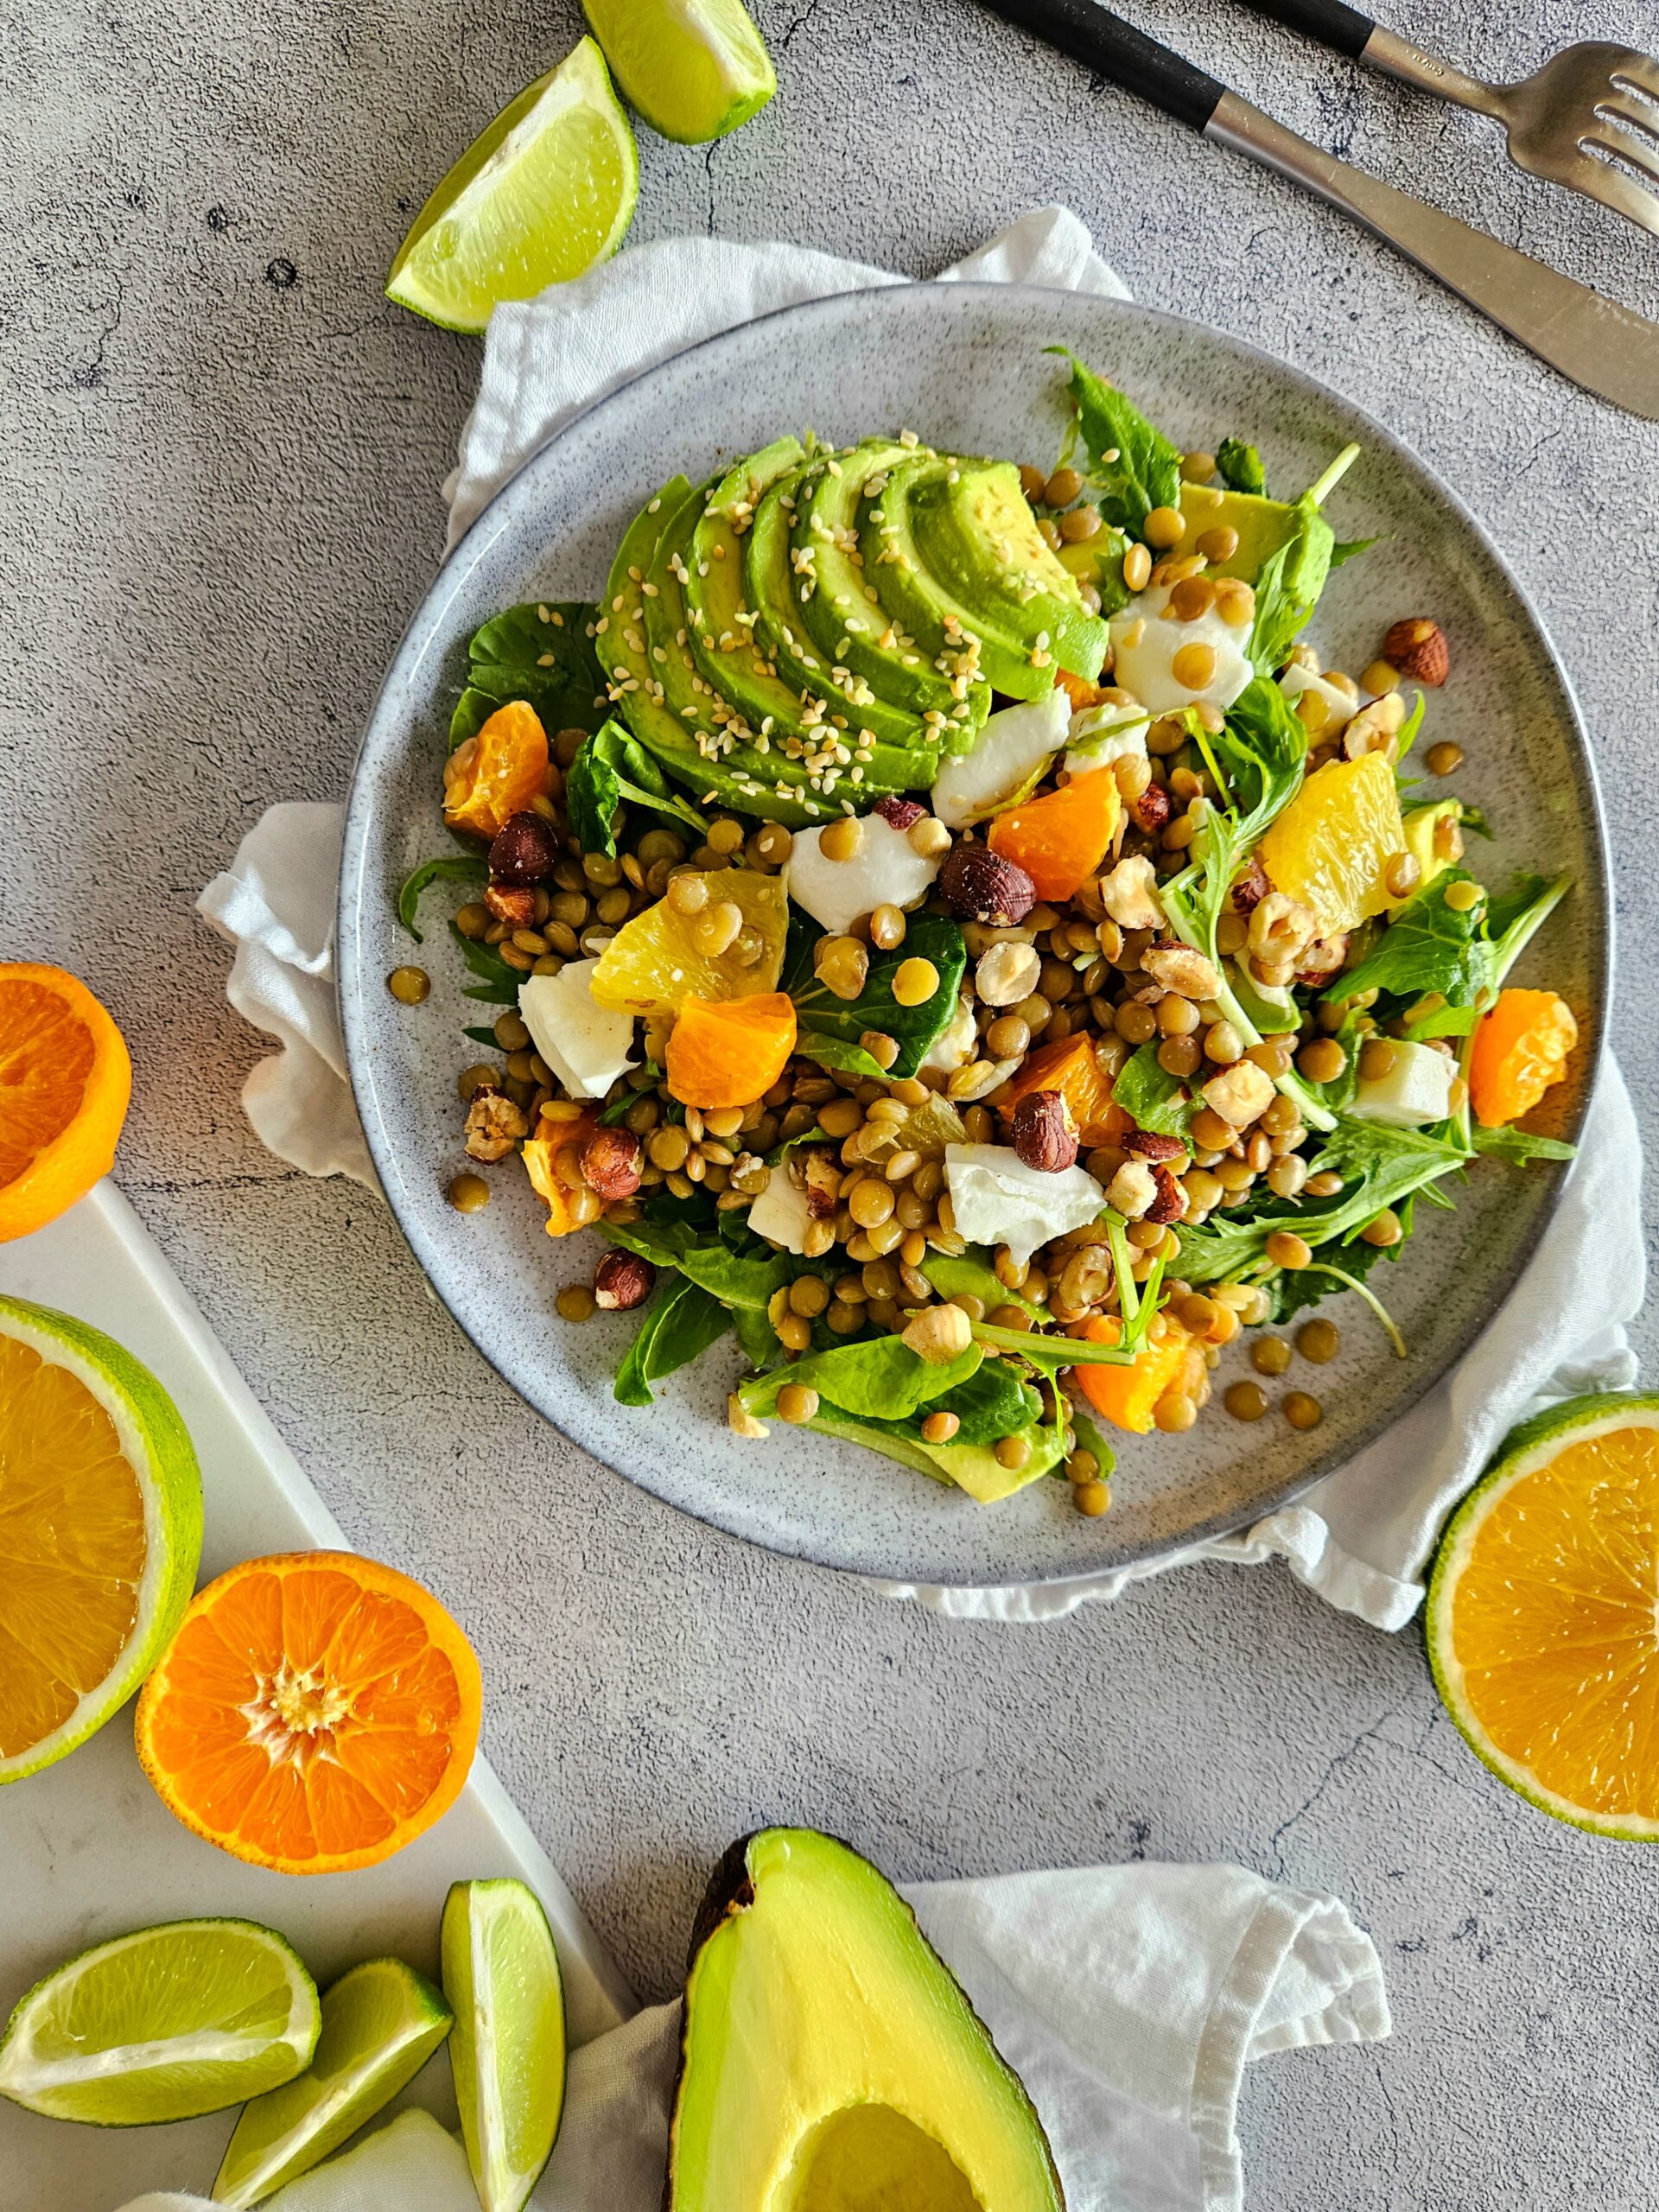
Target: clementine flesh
65, 1080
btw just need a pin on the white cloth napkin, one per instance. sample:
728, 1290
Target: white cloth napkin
1128, 2000
1362, 1537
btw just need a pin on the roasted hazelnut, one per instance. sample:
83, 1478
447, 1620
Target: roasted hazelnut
1170, 1204
1148, 1144
980, 885
511, 903
621, 1282
1418, 649
898, 813
610, 1163
524, 850
1044, 1135
1151, 811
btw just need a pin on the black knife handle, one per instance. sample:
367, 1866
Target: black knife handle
1116, 50
1330, 21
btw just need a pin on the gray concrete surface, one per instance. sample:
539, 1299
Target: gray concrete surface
220, 457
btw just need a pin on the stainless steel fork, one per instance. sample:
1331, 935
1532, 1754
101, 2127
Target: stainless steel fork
1589, 118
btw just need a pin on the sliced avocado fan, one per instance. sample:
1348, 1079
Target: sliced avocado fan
831, 2061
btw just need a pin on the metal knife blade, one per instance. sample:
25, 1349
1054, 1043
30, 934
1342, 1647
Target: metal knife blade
1608, 349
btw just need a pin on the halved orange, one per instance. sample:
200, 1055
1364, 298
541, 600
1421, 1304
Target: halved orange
315, 1711
65, 1080
1543, 1614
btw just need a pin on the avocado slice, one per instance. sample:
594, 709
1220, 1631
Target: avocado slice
976, 533
829, 2060
817, 725
620, 633
1263, 526
844, 611
774, 590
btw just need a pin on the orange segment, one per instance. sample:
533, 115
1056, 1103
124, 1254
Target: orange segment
1520, 1047
662, 957
1060, 839
552, 1160
1544, 1619
65, 1080
1331, 846
1127, 1397
727, 1055
315, 1711
1070, 1066
73, 1546
496, 772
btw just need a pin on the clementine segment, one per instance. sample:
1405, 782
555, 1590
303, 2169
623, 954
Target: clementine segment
496, 773
727, 1052
1127, 1397
315, 1711
1520, 1047
1060, 839
1070, 1065
65, 1081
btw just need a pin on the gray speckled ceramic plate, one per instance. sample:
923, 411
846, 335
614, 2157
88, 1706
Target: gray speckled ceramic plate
963, 365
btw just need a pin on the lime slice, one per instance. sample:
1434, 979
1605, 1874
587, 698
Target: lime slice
1542, 1619
501, 1973
694, 69
100, 1530
546, 192
163, 2025
381, 2022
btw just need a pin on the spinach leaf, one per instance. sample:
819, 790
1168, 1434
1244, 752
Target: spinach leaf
680, 1325
992, 1403
757, 1339
881, 1378
1240, 467
618, 1109
1144, 470
1520, 1146
780, 1152
1288, 589
1153, 1098
1428, 946
969, 1274
893, 1443
750, 1280
542, 653
481, 1036
1090, 1439
612, 766
830, 1025
500, 984
459, 867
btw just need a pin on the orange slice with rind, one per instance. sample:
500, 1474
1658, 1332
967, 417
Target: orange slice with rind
1543, 1615
65, 1080
100, 1530
315, 1711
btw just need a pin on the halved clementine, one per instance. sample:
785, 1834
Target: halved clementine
65, 1080
315, 1711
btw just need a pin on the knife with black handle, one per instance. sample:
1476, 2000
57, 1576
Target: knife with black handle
1606, 348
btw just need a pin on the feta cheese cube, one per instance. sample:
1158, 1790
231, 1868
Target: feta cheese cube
999, 1200
956, 1043
1416, 1091
780, 1214
886, 871
1145, 643
587, 1046
1102, 735
1013, 749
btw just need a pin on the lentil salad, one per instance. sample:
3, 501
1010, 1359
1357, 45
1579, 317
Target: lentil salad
1065, 972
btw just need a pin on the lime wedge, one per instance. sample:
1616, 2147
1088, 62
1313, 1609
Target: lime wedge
100, 1531
163, 2025
381, 2022
501, 1973
694, 69
547, 191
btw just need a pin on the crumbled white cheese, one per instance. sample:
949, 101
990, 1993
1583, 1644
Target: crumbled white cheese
1145, 643
585, 1045
886, 871
1102, 735
1340, 709
1416, 1091
999, 1200
781, 1214
956, 1043
1012, 750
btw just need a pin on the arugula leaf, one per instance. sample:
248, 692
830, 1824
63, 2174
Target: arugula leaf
780, 1152
1263, 746
551, 662
1151, 1098
1239, 467
460, 868
1050, 1354
1090, 1439
618, 1109
1144, 471
680, 1325
880, 1377
1346, 548
1289, 588
501, 986
830, 1026
1520, 1146
612, 766
1428, 946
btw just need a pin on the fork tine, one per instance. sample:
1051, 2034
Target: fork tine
1640, 70
1636, 153
1616, 190
1641, 115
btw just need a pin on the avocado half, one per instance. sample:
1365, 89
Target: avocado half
830, 2061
